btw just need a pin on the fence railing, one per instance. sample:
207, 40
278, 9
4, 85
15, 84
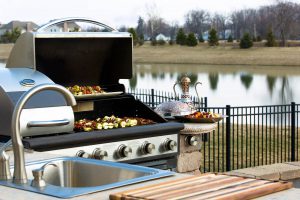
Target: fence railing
249, 135
252, 136
153, 97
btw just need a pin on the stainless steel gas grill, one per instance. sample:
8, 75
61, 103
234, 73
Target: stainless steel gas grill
89, 58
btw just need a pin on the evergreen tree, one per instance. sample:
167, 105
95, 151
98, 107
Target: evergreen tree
246, 42
200, 38
213, 39
230, 39
11, 36
258, 39
140, 29
271, 42
134, 36
181, 37
191, 40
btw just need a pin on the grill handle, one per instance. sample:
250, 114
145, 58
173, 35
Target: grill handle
78, 19
50, 123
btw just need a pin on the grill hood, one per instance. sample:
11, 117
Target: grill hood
71, 58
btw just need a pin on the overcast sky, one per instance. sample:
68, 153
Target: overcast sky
115, 12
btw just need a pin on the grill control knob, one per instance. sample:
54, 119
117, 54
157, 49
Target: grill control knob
191, 140
99, 154
169, 144
147, 148
82, 154
124, 151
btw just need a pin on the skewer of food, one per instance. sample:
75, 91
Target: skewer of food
110, 122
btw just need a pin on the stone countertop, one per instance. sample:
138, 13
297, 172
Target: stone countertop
7, 193
198, 128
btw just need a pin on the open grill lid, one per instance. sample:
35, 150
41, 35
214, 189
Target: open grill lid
69, 58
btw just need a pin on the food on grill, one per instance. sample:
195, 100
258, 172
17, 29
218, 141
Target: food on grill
200, 115
110, 123
85, 90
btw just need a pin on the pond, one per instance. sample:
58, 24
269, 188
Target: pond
223, 85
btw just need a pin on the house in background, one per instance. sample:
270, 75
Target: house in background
162, 37
23, 26
64, 27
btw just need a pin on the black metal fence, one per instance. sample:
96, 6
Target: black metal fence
252, 136
153, 97
249, 135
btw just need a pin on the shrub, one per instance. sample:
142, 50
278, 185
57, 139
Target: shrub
141, 40
181, 37
246, 41
153, 42
230, 39
134, 35
200, 38
191, 40
213, 39
271, 42
258, 39
161, 42
11, 36
171, 42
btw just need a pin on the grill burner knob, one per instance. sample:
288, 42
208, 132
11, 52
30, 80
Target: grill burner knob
124, 151
169, 144
147, 148
191, 140
82, 154
99, 154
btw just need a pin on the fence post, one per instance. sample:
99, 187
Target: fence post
293, 135
152, 98
228, 146
205, 104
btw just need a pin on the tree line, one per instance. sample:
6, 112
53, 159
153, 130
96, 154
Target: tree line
280, 20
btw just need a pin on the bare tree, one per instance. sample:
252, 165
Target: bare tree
285, 14
155, 24
219, 22
197, 21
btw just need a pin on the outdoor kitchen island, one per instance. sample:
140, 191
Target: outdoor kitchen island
11, 193
7, 193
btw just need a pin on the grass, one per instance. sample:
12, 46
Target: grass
222, 55
225, 54
250, 146
5, 51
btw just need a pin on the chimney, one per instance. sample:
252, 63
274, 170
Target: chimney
65, 27
28, 27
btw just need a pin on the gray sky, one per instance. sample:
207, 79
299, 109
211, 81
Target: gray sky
115, 12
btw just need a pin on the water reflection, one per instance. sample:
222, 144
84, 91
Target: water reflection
213, 80
133, 81
225, 85
286, 91
271, 81
246, 80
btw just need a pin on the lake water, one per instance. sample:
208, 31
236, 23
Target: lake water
223, 85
